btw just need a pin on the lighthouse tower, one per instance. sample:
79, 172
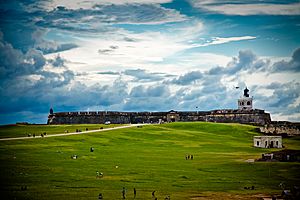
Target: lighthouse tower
245, 102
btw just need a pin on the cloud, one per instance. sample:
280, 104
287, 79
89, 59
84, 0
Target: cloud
187, 78
15, 63
109, 73
151, 91
150, 98
219, 40
143, 75
130, 55
140, 14
27, 77
244, 9
47, 46
293, 65
77, 4
283, 101
101, 17
245, 61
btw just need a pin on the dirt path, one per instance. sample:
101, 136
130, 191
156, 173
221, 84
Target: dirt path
74, 133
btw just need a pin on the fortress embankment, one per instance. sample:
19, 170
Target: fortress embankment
245, 114
255, 117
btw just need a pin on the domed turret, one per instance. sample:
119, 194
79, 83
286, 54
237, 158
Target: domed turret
246, 92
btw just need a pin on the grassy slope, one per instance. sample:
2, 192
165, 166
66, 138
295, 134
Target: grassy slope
7, 131
149, 158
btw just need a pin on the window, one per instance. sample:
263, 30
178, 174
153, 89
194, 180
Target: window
276, 143
242, 103
257, 143
248, 103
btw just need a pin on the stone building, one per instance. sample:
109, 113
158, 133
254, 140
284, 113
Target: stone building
267, 141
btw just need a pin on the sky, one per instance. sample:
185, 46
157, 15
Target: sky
147, 55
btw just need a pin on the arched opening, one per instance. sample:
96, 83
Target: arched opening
248, 103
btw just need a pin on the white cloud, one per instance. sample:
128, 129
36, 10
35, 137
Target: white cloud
121, 49
220, 40
77, 4
242, 8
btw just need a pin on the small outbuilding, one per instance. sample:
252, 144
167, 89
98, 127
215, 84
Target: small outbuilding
267, 141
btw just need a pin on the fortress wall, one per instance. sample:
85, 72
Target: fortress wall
256, 117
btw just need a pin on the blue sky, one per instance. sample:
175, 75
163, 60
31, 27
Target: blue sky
147, 55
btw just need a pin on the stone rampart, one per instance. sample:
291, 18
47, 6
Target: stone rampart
281, 128
255, 117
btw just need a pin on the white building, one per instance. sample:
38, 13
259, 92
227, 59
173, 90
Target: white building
267, 141
245, 102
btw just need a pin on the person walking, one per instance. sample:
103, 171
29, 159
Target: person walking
124, 193
134, 193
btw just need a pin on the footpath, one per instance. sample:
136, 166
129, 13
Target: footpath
73, 133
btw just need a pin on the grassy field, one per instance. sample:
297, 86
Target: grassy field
19, 130
148, 158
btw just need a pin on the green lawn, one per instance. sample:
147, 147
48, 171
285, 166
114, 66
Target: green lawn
148, 158
18, 130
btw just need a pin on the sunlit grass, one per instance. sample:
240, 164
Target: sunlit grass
148, 158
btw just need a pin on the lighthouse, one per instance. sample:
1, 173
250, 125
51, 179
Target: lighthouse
245, 102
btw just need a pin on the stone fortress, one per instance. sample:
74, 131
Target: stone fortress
245, 114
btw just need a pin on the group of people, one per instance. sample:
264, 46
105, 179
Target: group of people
189, 157
134, 194
42, 134
99, 174
124, 193
249, 188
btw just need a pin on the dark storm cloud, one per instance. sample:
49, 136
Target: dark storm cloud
24, 81
19, 26
15, 63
